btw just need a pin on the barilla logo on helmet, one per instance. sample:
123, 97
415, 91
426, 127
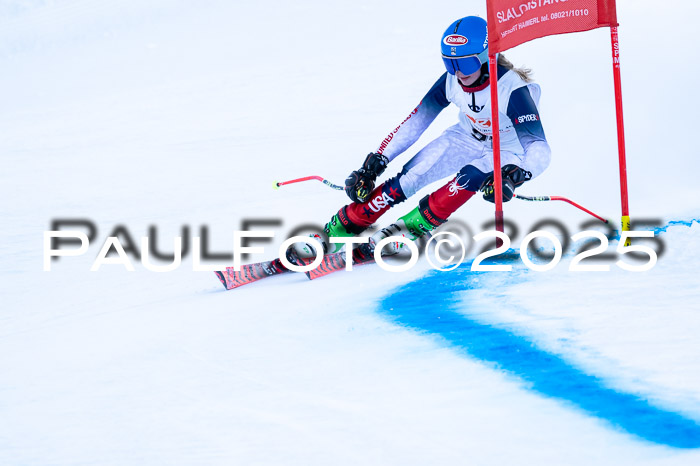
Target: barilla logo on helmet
455, 39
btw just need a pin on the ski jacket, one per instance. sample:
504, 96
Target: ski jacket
519, 119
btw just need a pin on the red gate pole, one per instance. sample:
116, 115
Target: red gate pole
620, 129
496, 143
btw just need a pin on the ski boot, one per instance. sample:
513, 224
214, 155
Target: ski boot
414, 225
334, 228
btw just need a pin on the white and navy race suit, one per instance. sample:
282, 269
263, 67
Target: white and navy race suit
467, 146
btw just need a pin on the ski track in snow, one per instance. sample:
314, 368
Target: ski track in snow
445, 305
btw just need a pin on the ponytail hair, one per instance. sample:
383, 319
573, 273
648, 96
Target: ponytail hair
524, 73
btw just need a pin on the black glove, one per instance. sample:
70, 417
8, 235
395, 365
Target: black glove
512, 177
360, 183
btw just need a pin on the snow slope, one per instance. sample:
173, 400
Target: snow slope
180, 114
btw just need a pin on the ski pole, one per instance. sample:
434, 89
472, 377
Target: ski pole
277, 184
559, 198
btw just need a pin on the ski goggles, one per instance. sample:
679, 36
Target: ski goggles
467, 65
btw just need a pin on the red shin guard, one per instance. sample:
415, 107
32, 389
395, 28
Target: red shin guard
366, 214
450, 197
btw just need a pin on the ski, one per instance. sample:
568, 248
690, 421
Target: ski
250, 273
254, 272
334, 262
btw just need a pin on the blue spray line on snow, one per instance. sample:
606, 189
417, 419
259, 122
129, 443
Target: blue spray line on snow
436, 304
673, 223
664, 229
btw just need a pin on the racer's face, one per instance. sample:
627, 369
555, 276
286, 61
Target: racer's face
468, 79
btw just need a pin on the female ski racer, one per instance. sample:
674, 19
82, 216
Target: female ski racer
465, 148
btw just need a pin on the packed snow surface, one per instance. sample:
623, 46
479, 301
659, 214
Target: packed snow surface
180, 115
